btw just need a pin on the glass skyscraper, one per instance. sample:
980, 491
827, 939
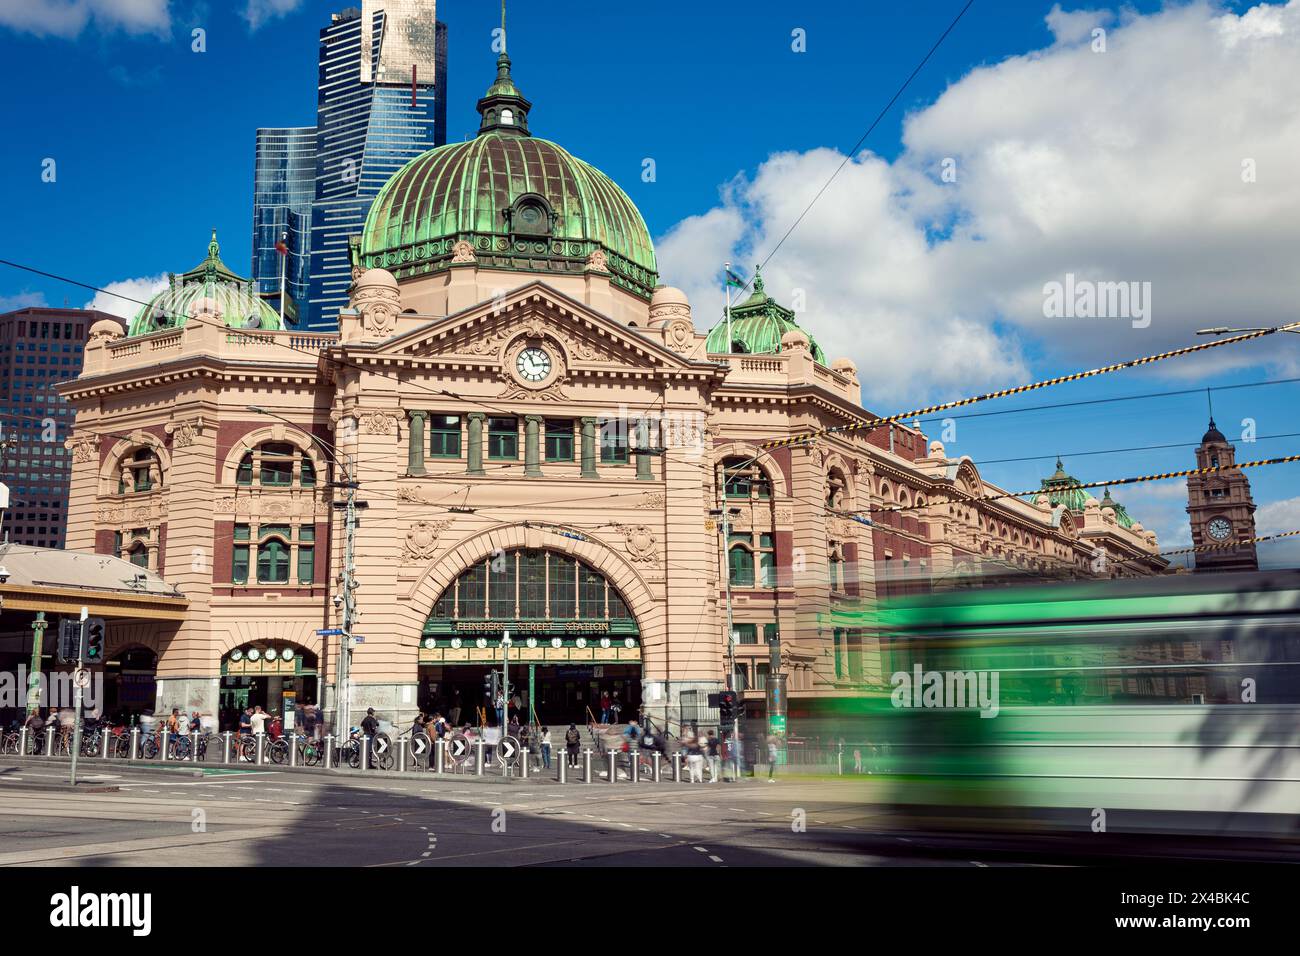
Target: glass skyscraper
284, 187
381, 101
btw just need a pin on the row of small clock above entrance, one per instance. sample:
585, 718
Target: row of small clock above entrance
480, 643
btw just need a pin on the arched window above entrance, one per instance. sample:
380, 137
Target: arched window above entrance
276, 465
140, 470
529, 586
742, 478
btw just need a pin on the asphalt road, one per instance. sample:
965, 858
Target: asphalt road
284, 818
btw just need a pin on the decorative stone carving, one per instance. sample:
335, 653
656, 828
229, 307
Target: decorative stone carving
463, 251
184, 432
376, 298
598, 261
84, 448
422, 540
784, 515
679, 335
413, 494
641, 543
649, 502
109, 515
378, 421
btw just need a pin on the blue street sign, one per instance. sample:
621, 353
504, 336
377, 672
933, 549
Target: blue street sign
357, 638
330, 632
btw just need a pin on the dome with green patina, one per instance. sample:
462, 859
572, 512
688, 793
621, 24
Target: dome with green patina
757, 326
1121, 513
506, 200
1063, 489
231, 295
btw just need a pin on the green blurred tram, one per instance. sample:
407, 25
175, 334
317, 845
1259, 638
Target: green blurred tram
1173, 693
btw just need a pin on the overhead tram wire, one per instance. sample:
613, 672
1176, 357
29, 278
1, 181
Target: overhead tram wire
1220, 546
874, 423
862, 139
1114, 482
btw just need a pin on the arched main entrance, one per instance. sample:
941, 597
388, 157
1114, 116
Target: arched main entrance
277, 676
573, 639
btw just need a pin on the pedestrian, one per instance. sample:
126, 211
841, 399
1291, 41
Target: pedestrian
571, 741
546, 748
771, 759
257, 720
857, 760
454, 711
309, 720
615, 708
513, 727
713, 749
604, 707
370, 727
695, 759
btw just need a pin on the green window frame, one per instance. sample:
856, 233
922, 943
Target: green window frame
306, 554
308, 474
740, 567
559, 439
613, 441
244, 473
239, 555
503, 439
277, 465
746, 633
273, 561
444, 436
140, 556
767, 559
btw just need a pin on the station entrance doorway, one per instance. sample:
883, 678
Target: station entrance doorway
279, 678
553, 695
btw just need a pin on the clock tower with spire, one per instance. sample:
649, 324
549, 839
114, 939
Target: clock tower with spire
1220, 508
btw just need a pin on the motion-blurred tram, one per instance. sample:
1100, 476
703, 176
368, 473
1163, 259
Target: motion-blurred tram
1169, 702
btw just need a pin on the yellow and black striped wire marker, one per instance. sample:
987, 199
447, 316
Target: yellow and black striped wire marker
1209, 469
1019, 389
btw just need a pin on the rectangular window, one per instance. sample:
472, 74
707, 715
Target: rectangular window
472, 592
613, 441
532, 584
746, 633
591, 595
239, 557
444, 436
760, 676
853, 649
559, 439
503, 439
308, 472
306, 554
562, 587
839, 663
277, 466
502, 578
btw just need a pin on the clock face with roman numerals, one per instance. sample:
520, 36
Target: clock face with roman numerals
533, 364
1219, 528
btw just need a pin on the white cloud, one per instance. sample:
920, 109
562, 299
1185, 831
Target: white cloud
22, 300
125, 298
1278, 516
1117, 166
67, 18
259, 12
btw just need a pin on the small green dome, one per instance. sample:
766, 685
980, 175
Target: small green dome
757, 326
521, 203
239, 305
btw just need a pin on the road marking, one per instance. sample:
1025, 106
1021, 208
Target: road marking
700, 849
716, 859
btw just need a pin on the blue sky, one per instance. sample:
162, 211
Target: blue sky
154, 147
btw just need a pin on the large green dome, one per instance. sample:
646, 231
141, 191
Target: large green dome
522, 204
239, 305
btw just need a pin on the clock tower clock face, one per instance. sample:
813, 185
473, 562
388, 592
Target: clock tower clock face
1219, 528
533, 364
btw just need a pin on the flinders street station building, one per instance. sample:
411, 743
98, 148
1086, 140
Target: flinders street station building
517, 429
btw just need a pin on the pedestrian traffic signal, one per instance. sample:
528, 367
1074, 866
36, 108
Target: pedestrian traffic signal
728, 706
95, 635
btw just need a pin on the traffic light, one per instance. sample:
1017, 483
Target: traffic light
728, 706
491, 684
69, 640
95, 634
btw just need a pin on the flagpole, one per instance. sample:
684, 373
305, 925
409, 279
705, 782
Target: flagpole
726, 282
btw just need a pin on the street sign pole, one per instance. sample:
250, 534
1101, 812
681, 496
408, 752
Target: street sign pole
505, 680
76, 705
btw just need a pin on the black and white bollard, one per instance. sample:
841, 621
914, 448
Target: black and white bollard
586, 765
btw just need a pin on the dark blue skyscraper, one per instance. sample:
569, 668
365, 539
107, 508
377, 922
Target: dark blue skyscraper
381, 101
284, 187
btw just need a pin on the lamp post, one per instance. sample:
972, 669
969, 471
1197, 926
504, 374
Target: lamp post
347, 576
34, 671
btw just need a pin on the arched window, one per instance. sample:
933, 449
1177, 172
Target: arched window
139, 555
273, 464
836, 490
740, 566
507, 117
273, 556
139, 472
742, 478
529, 585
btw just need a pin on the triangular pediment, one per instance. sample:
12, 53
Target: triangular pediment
489, 330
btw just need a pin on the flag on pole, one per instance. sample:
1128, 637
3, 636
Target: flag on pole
735, 281
281, 247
